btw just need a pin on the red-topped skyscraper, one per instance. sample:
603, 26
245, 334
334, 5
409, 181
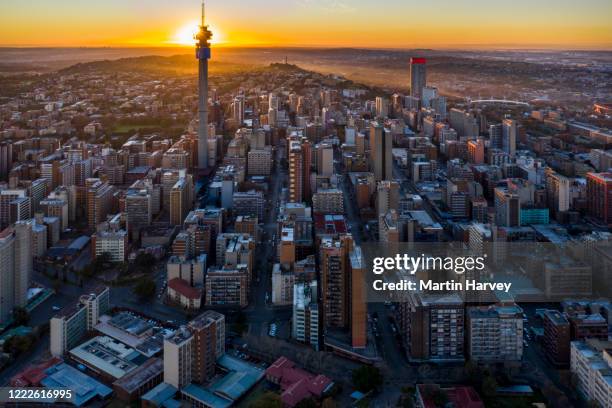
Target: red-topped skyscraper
418, 76
203, 55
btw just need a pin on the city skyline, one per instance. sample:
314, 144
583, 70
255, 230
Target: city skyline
473, 24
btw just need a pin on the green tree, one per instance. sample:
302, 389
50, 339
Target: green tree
144, 262
367, 378
489, 386
145, 288
17, 345
307, 403
267, 400
21, 316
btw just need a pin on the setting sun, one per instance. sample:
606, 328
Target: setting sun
185, 34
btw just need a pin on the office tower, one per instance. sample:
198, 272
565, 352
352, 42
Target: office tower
178, 358
328, 201
259, 162
208, 344
556, 338
507, 208
387, 196
333, 256
283, 279
37, 192
238, 110
247, 224
296, 172
382, 107
418, 76
599, 196
557, 191
227, 286
203, 55
432, 327
23, 261
6, 159
590, 366
138, 209
174, 158
180, 200
325, 159
305, 323
19, 210
6, 198
495, 333
70, 325
358, 312
113, 242
476, 151
249, 203
7, 274
429, 93
306, 164
381, 158
496, 136
509, 136
99, 199
479, 210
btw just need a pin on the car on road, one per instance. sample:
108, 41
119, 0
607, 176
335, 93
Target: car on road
56, 308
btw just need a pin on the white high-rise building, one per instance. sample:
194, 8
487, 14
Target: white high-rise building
178, 358
305, 322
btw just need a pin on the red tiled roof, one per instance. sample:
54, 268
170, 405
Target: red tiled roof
33, 375
297, 384
183, 288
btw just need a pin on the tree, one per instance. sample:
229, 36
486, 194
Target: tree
144, 262
21, 316
307, 403
17, 345
145, 288
489, 386
267, 400
367, 378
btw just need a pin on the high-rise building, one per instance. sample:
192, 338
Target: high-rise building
70, 325
556, 338
181, 197
507, 208
305, 323
590, 365
495, 333
15, 267
138, 209
418, 76
381, 158
296, 172
557, 191
334, 260
208, 344
357, 294
387, 196
99, 200
178, 358
432, 327
382, 107
509, 136
599, 196
476, 151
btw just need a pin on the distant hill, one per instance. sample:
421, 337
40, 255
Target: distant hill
177, 64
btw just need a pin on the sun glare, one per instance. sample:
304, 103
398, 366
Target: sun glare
185, 34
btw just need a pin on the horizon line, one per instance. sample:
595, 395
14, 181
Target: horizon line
463, 47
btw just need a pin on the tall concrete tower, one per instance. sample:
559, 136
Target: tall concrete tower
203, 55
